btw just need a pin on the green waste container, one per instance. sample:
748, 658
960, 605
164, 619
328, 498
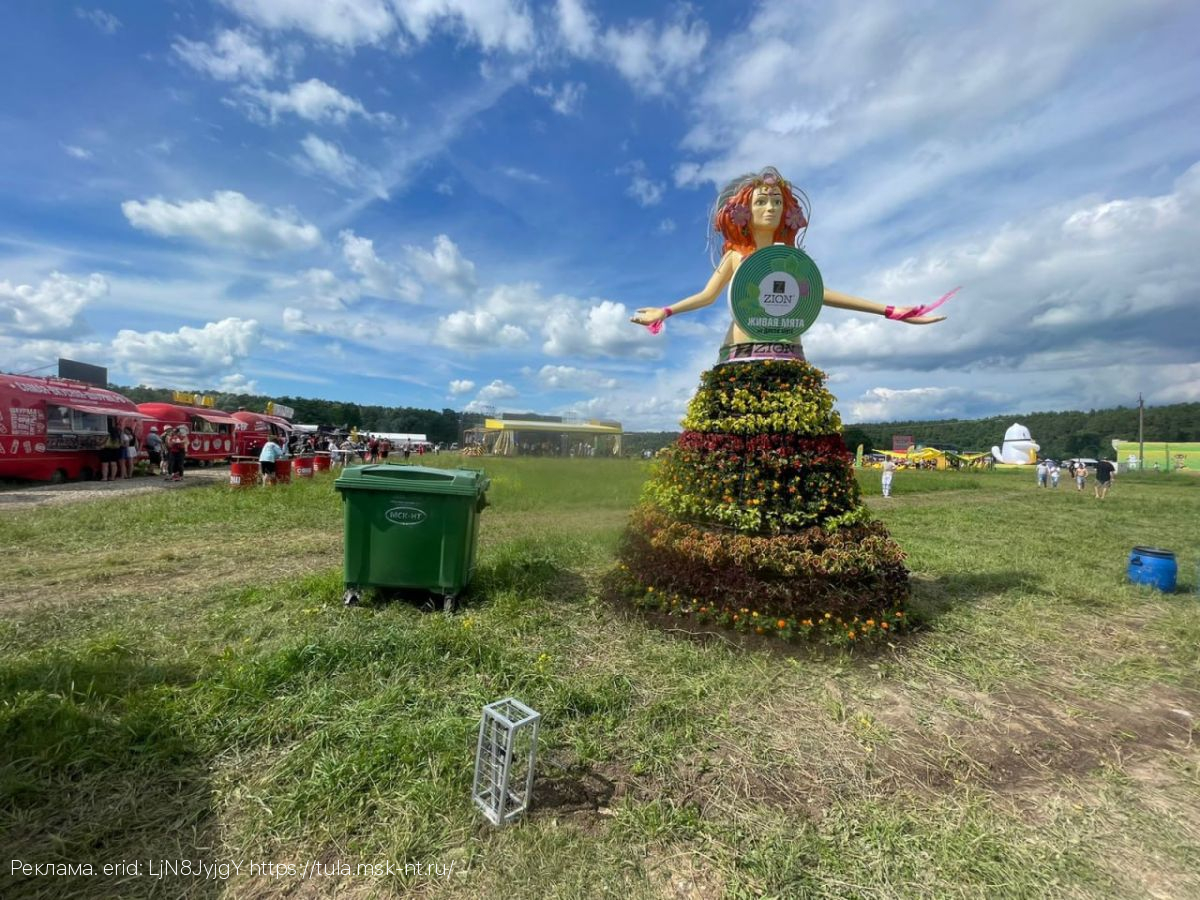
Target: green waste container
410, 527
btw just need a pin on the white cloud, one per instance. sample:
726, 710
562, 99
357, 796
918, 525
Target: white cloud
488, 395
378, 278
105, 21
237, 384
229, 219
666, 226
642, 188
492, 24
50, 309
77, 152
461, 386
569, 378
232, 56
348, 23
1075, 286
576, 27
328, 159
521, 175
445, 267
466, 330
295, 322
319, 287
189, 357
313, 100
573, 328
652, 59
966, 95
882, 404
566, 100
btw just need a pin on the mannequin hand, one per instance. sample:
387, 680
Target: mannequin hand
923, 320
648, 315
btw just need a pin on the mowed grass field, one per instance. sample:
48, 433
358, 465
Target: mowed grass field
179, 681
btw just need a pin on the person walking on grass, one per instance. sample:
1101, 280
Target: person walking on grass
1106, 472
889, 469
267, 457
1055, 474
1041, 473
1081, 474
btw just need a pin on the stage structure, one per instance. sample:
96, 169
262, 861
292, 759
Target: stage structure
551, 437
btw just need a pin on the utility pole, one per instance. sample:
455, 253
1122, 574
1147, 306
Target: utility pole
1141, 439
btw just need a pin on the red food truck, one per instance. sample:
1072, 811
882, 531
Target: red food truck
253, 430
210, 431
51, 429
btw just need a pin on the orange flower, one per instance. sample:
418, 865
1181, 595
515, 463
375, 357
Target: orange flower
850, 635
781, 624
884, 626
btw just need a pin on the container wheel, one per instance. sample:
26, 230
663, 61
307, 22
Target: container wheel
351, 598
59, 476
450, 603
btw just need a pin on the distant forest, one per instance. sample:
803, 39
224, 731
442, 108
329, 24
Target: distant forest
1060, 434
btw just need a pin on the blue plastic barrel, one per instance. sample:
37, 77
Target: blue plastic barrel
1154, 567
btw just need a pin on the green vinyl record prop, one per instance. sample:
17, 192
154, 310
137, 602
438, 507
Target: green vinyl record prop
776, 294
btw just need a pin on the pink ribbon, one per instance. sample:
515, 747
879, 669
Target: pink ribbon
891, 313
656, 327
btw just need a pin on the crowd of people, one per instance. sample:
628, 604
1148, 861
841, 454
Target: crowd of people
1049, 473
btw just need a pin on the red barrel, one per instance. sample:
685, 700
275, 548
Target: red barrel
302, 466
283, 471
321, 462
243, 472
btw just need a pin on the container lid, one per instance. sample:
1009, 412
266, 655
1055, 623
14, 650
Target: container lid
413, 479
1153, 551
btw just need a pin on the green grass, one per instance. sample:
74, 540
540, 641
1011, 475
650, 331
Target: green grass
180, 680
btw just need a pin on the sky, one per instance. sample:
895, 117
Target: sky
459, 203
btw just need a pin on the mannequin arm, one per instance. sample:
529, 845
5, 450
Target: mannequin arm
858, 304
648, 315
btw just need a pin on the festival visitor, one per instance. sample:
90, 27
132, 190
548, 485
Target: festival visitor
1041, 473
124, 435
1055, 474
373, 449
1105, 473
154, 448
177, 452
267, 457
889, 469
1081, 474
131, 451
110, 452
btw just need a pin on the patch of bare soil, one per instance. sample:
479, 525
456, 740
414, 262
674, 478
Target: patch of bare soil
33, 496
1015, 741
683, 874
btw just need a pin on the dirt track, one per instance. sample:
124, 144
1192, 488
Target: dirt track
16, 496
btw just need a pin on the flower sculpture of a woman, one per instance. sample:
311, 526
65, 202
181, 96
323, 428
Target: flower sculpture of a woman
754, 517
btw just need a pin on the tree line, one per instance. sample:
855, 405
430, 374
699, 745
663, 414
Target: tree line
1061, 435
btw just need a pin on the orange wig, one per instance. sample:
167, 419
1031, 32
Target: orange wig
731, 214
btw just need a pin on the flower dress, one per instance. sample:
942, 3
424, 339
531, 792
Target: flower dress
754, 517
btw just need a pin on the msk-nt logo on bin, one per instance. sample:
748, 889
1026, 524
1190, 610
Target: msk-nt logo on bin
405, 515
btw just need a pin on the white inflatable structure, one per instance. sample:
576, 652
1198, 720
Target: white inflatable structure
1018, 448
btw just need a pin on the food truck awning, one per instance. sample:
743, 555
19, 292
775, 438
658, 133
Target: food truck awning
217, 418
115, 411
